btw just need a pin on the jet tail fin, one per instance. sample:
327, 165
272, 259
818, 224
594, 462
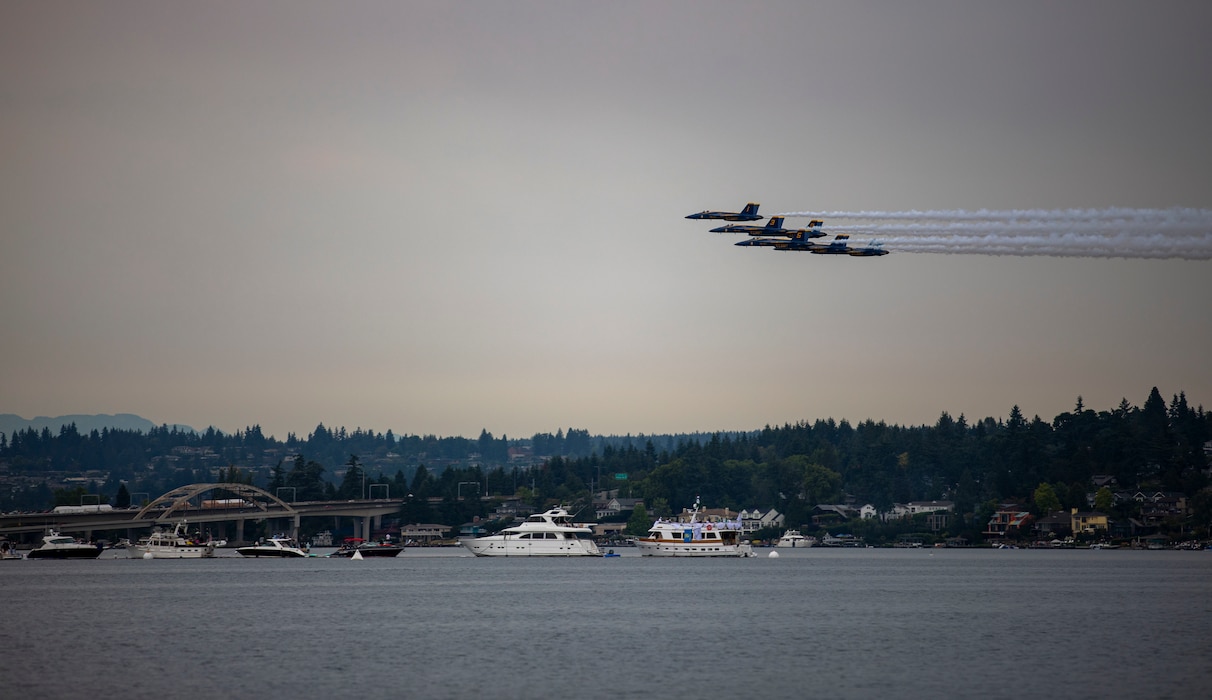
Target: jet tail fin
775, 222
750, 209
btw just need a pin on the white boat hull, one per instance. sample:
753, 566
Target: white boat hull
157, 552
498, 546
692, 549
548, 534
280, 547
256, 552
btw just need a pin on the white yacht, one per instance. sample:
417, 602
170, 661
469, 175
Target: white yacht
793, 538
694, 538
178, 544
549, 534
276, 546
57, 546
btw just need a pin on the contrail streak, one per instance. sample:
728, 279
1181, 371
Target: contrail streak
1100, 233
1126, 214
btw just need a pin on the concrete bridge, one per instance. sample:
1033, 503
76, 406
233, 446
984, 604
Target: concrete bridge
240, 504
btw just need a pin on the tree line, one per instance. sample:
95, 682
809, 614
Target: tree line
793, 468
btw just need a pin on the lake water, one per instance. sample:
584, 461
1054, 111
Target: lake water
864, 623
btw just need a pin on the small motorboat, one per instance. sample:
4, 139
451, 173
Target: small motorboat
277, 546
356, 545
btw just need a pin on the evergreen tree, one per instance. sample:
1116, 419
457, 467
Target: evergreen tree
122, 499
353, 485
639, 522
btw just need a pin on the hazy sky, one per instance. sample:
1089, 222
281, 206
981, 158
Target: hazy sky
446, 217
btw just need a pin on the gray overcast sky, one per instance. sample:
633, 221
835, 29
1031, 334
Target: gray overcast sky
443, 217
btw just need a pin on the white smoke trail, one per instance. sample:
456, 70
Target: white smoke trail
1099, 233
1122, 246
1024, 228
1126, 214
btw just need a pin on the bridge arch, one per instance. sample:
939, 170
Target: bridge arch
180, 497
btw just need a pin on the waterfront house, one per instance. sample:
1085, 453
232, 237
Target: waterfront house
898, 511
754, 520
1087, 523
614, 507
916, 507
475, 528
1056, 525
827, 514
423, 533
1007, 522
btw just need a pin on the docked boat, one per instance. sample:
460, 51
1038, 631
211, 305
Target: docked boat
793, 538
356, 545
277, 546
694, 537
842, 540
549, 534
8, 550
178, 544
57, 546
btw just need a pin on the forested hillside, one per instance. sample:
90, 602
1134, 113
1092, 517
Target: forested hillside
1159, 446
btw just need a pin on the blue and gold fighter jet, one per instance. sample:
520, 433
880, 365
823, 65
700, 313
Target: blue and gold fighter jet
749, 213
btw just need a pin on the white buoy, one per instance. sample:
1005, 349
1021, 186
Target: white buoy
149, 555
357, 555
773, 555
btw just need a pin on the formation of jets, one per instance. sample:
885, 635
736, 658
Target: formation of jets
773, 235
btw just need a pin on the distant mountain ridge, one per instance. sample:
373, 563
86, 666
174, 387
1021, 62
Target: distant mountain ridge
10, 423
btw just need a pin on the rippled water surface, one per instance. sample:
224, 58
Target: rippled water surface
439, 624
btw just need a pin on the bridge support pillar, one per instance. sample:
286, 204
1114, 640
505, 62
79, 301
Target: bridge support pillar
295, 526
366, 528
240, 530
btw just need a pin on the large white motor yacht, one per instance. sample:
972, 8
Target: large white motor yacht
549, 534
793, 538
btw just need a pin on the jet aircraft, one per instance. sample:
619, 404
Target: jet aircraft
875, 248
749, 213
836, 247
769, 242
773, 227
800, 241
